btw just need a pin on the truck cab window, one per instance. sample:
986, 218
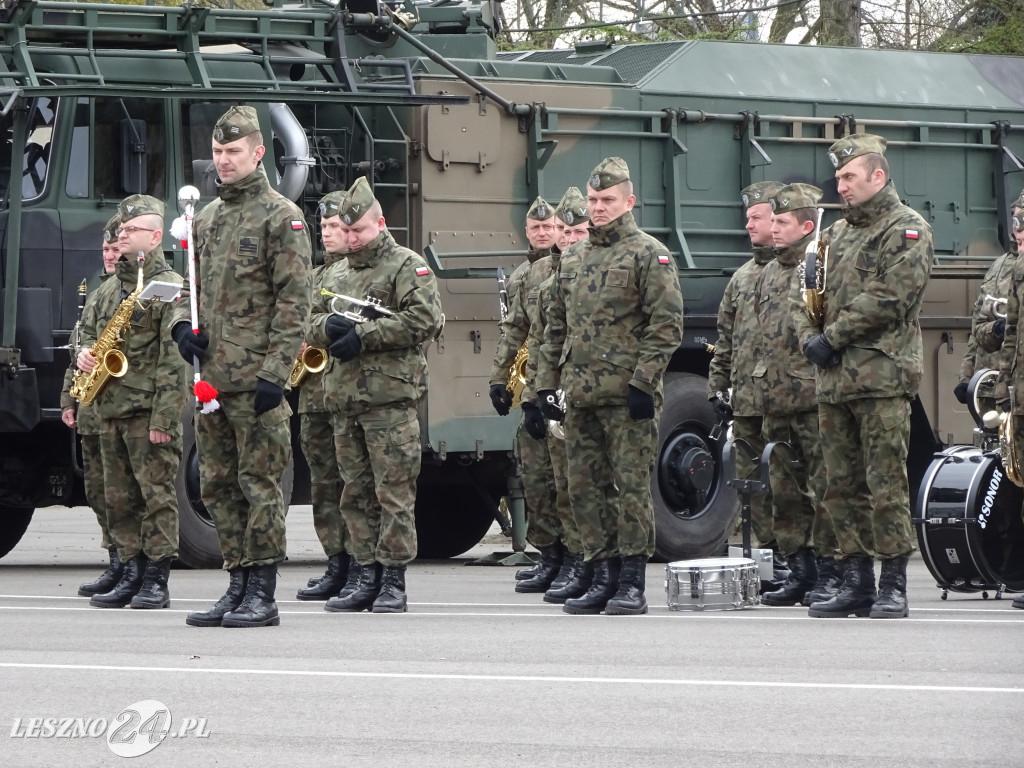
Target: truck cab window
37, 147
126, 139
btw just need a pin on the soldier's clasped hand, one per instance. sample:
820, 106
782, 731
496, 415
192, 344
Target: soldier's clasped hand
721, 408
960, 392
534, 422
549, 405
639, 404
999, 327
337, 326
501, 399
820, 352
348, 346
268, 396
190, 344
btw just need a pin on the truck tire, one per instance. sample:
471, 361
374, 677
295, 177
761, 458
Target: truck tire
454, 511
694, 510
13, 524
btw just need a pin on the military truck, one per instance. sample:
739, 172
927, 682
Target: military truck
98, 102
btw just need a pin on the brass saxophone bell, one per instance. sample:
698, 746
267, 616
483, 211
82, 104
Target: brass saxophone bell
517, 375
310, 360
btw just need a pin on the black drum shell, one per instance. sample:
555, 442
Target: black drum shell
969, 524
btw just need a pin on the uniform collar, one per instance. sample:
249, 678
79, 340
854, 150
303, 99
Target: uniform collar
613, 231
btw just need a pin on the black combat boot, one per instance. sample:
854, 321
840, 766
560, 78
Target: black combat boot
565, 573
602, 588
367, 587
331, 582
803, 573
629, 600
528, 573
258, 608
892, 590
549, 566
229, 601
1018, 601
780, 573
107, 579
126, 588
580, 578
856, 594
830, 576
391, 598
154, 593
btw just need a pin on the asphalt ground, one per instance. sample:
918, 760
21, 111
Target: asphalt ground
476, 674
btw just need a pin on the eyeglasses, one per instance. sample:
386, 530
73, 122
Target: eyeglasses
132, 230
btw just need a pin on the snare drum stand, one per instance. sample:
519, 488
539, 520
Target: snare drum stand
745, 487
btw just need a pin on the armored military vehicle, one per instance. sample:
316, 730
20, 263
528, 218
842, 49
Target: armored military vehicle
98, 102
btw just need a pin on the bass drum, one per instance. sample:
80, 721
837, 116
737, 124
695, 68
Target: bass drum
969, 526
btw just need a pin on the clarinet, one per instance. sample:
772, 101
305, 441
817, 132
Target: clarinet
75, 343
502, 294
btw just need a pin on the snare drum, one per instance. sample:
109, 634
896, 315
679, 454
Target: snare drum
968, 519
712, 584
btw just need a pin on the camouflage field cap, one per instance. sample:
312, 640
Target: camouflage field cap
572, 208
236, 123
793, 197
541, 210
855, 145
330, 204
609, 172
1019, 200
356, 202
139, 205
111, 227
758, 193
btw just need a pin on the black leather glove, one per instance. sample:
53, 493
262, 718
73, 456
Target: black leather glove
549, 405
337, 326
721, 408
268, 396
534, 422
820, 352
348, 346
960, 392
190, 345
1004, 405
999, 327
501, 399
639, 404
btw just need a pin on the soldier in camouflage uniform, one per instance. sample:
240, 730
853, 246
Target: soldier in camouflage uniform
988, 318
868, 352
253, 279
87, 424
373, 391
786, 380
139, 413
1012, 400
614, 320
571, 226
732, 366
544, 528
316, 433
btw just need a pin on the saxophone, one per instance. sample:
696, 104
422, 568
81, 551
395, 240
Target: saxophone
516, 379
110, 360
309, 360
813, 278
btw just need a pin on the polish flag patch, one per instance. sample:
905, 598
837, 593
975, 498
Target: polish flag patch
296, 225
664, 259
421, 271
911, 234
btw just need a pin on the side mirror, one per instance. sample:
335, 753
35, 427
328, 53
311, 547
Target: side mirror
133, 156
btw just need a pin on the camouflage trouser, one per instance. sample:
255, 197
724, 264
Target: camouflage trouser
138, 482
798, 511
92, 469
543, 526
749, 429
610, 461
560, 469
316, 437
379, 456
865, 445
241, 459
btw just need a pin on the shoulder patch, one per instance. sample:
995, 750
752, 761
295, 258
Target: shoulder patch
296, 224
911, 234
664, 258
422, 271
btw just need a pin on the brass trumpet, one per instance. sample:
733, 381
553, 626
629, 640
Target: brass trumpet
309, 360
996, 302
363, 304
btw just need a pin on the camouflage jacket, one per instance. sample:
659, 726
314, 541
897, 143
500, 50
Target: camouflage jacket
983, 346
1013, 345
615, 317
253, 277
785, 376
86, 416
739, 334
311, 389
391, 369
156, 380
522, 289
538, 310
880, 259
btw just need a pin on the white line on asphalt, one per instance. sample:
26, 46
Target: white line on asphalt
518, 678
673, 615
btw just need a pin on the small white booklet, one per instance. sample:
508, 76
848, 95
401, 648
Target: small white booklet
161, 291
